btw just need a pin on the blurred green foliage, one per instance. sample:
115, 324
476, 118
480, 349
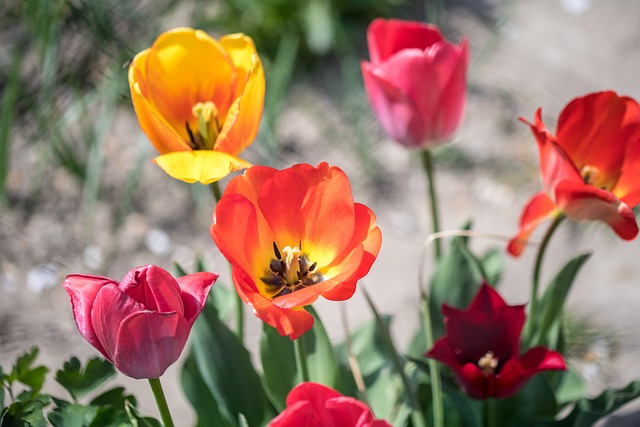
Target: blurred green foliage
315, 22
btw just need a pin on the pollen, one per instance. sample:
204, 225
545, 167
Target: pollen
289, 271
488, 363
208, 126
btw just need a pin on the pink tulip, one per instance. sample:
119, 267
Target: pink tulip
416, 81
142, 323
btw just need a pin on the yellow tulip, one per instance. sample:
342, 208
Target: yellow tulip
199, 101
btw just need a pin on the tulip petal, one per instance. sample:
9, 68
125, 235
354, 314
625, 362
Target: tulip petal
582, 202
83, 290
110, 308
516, 372
594, 130
154, 288
205, 69
149, 342
204, 166
474, 382
397, 113
194, 289
539, 209
289, 322
296, 414
627, 188
347, 411
387, 37
243, 120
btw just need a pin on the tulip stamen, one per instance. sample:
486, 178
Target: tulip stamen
208, 124
488, 363
289, 272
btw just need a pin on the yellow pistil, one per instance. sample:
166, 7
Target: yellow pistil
488, 363
292, 262
591, 175
208, 125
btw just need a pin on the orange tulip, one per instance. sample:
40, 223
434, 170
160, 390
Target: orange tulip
292, 236
199, 101
590, 169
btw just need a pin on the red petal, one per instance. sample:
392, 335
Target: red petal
289, 322
627, 188
474, 382
539, 209
149, 342
594, 130
296, 414
347, 411
194, 289
582, 202
386, 37
516, 372
82, 292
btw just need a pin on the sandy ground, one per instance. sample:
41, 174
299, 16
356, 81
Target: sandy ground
545, 53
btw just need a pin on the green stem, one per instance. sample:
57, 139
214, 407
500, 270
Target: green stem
417, 417
217, 195
489, 412
434, 369
156, 387
427, 164
301, 359
535, 284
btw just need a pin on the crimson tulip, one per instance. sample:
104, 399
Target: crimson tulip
590, 169
415, 81
292, 236
482, 346
315, 405
142, 323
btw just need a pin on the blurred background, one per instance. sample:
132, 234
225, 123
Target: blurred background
79, 194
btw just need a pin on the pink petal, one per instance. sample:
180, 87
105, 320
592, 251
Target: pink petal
154, 288
149, 342
82, 292
194, 289
387, 37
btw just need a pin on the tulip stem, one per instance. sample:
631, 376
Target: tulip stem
427, 164
156, 387
301, 359
217, 195
434, 370
489, 412
535, 284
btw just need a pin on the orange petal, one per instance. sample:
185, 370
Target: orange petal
204, 166
539, 209
289, 322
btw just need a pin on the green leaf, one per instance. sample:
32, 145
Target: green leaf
278, 365
136, 420
29, 413
72, 414
225, 367
552, 303
115, 397
534, 402
200, 396
493, 265
26, 373
457, 278
78, 381
570, 387
587, 411
321, 357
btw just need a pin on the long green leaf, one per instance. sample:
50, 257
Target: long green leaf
278, 365
226, 368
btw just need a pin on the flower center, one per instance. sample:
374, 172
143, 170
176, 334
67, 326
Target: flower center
591, 175
488, 363
208, 126
289, 271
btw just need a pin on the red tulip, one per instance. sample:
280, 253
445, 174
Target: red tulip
482, 346
142, 323
416, 81
590, 169
292, 236
314, 405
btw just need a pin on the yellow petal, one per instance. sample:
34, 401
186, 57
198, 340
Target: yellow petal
184, 67
240, 130
204, 166
242, 53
